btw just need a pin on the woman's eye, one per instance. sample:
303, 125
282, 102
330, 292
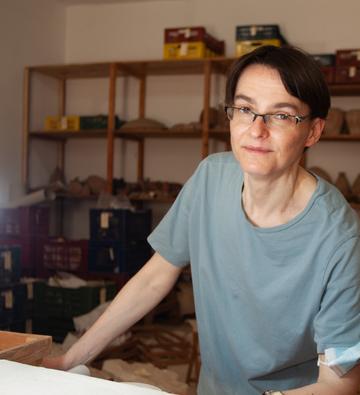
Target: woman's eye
244, 110
282, 117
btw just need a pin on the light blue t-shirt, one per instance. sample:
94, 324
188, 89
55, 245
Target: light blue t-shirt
268, 300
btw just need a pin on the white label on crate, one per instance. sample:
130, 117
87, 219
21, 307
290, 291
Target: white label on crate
30, 291
7, 260
187, 33
253, 30
111, 253
9, 300
102, 295
63, 123
104, 220
352, 71
358, 56
183, 49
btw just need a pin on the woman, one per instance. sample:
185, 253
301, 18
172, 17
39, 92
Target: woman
274, 250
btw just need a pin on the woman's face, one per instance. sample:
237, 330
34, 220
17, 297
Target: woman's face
265, 150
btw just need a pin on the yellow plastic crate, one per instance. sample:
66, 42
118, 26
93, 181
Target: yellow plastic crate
51, 123
65, 123
244, 47
187, 50
70, 122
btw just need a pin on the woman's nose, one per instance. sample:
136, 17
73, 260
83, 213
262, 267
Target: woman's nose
259, 128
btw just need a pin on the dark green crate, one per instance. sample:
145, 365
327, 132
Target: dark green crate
98, 122
55, 327
67, 302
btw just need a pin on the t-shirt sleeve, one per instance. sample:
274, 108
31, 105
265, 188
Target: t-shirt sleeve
337, 323
171, 237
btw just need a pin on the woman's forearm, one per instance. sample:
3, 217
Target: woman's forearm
140, 295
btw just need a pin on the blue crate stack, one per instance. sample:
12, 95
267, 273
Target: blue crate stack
118, 240
15, 298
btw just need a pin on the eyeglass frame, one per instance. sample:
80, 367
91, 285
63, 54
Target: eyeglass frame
265, 117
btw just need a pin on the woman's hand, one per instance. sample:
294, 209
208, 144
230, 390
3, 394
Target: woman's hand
59, 362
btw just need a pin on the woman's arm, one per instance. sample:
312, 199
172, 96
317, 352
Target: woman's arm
140, 295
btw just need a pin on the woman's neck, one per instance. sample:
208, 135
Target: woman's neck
269, 203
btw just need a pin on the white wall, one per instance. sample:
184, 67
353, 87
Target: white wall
31, 32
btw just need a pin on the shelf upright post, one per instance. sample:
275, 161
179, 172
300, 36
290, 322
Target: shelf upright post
206, 109
111, 126
62, 112
141, 142
26, 128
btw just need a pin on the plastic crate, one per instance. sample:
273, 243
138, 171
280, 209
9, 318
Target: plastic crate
10, 264
191, 42
70, 302
347, 74
244, 47
122, 225
257, 32
88, 122
348, 57
55, 327
63, 255
327, 60
61, 123
30, 247
24, 222
12, 303
109, 257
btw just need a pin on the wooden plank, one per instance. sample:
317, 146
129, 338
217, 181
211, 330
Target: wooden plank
62, 112
206, 108
26, 128
24, 347
142, 97
111, 127
140, 164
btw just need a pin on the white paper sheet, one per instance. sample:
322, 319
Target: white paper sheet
19, 379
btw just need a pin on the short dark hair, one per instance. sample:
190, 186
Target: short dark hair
299, 72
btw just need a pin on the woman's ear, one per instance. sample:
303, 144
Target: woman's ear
315, 132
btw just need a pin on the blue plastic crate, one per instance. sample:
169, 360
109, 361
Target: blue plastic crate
10, 264
122, 225
12, 303
110, 257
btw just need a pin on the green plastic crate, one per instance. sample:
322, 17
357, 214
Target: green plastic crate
68, 302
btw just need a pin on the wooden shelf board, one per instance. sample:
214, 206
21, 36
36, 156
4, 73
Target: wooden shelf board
344, 89
341, 137
66, 196
63, 135
158, 133
135, 68
75, 71
154, 200
135, 134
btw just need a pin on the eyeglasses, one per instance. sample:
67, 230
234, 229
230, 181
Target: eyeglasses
244, 117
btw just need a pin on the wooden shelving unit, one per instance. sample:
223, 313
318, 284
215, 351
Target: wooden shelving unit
139, 70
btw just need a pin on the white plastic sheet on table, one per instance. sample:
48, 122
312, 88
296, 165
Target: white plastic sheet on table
19, 379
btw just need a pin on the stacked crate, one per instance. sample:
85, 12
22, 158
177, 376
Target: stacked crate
59, 254
191, 43
56, 306
16, 298
118, 240
327, 65
347, 66
250, 37
24, 227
